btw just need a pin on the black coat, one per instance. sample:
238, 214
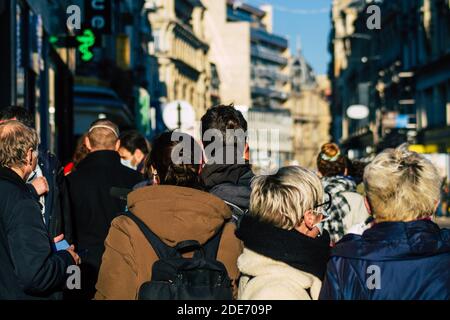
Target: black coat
28, 267
93, 207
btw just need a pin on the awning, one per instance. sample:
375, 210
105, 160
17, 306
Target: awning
92, 103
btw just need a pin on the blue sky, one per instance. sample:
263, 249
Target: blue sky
309, 19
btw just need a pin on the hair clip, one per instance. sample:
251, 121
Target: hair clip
332, 159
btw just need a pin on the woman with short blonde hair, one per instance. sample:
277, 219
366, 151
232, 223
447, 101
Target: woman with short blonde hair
282, 199
284, 254
402, 186
405, 255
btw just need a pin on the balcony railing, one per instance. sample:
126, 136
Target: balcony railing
260, 71
272, 93
259, 34
268, 54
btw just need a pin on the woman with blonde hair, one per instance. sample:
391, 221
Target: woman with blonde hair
405, 255
284, 254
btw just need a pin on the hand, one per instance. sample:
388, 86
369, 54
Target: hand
40, 185
307, 226
74, 255
58, 238
312, 233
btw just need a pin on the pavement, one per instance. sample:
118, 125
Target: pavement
443, 222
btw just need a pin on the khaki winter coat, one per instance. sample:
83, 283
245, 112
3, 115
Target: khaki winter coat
266, 279
175, 214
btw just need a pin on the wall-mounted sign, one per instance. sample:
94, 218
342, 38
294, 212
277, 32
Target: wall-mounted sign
98, 16
358, 112
179, 115
86, 41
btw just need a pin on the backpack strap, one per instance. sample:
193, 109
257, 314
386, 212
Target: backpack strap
161, 249
211, 247
237, 212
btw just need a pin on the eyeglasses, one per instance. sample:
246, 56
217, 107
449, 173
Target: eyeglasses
326, 205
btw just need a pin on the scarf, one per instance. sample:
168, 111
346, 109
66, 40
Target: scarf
339, 205
289, 246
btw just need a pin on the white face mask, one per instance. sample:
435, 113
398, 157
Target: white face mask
127, 163
320, 225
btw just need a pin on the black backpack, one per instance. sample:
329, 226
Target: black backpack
201, 277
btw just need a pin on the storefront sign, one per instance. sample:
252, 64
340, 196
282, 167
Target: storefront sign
87, 41
98, 16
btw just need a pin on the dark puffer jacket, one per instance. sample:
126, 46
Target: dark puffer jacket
231, 183
392, 260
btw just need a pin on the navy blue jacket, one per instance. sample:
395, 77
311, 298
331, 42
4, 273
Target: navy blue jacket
29, 269
412, 260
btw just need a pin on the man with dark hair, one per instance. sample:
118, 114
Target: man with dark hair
133, 150
230, 181
92, 204
29, 267
46, 182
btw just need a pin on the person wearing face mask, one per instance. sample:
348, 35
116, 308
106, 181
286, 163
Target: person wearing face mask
93, 206
30, 268
47, 182
285, 249
133, 150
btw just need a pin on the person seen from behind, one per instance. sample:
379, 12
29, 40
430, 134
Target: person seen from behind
176, 209
93, 205
347, 207
81, 151
405, 255
229, 178
285, 254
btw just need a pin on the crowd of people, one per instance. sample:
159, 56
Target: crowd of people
140, 224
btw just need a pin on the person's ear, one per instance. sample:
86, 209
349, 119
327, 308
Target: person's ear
117, 147
30, 157
367, 204
309, 219
247, 152
87, 143
139, 156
